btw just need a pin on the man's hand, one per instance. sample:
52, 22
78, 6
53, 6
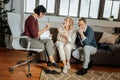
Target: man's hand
80, 30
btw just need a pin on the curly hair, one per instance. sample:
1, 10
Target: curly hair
39, 9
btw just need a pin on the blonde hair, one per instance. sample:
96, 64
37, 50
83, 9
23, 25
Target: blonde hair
71, 22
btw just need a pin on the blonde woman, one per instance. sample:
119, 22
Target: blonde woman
65, 42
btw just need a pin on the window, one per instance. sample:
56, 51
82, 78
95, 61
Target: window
77, 8
111, 8
64, 4
89, 8
49, 5
30, 5
94, 8
84, 8
68, 7
115, 10
73, 7
107, 9
43, 2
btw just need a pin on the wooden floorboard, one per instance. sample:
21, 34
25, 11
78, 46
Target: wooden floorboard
9, 57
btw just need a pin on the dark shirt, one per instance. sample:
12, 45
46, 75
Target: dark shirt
31, 27
78, 41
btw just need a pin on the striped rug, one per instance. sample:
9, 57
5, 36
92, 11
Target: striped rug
91, 75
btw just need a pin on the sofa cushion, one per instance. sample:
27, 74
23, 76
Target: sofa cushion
117, 40
98, 35
115, 48
54, 32
108, 38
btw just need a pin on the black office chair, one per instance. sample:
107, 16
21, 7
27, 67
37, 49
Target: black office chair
14, 21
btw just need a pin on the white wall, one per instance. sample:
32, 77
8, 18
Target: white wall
18, 5
97, 25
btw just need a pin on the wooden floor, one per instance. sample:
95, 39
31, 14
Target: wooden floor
9, 57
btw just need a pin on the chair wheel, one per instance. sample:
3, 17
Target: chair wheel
29, 75
11, 70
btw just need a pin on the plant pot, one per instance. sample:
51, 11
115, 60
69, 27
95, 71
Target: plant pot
110, 19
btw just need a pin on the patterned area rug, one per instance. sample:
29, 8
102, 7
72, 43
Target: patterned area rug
91, 75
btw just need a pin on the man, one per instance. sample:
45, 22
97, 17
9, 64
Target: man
87, 40
33, 32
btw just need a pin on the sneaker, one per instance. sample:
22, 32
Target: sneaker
68, 65
65, 69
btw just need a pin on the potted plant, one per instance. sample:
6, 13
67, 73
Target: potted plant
111, 18
4, 28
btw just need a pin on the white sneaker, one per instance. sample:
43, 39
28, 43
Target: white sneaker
65, 69
68, 65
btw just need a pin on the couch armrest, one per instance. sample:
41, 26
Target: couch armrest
115, 48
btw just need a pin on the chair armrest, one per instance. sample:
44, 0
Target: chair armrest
29, 40
20, 37
115, 48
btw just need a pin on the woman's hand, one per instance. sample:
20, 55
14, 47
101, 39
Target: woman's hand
66, 35
44, 29
47, 26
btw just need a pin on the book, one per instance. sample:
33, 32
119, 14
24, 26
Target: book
45, 35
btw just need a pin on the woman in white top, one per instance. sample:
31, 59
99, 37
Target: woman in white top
65, 42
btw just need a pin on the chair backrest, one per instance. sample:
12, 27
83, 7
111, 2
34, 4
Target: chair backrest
14, 21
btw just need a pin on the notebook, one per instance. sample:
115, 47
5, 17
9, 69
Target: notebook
45, 35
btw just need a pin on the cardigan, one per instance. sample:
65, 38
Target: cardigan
72, 36
31, 27
90, 37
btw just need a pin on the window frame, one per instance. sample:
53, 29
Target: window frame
100, 10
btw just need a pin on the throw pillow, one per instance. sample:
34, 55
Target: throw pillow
117, 40
108, 38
